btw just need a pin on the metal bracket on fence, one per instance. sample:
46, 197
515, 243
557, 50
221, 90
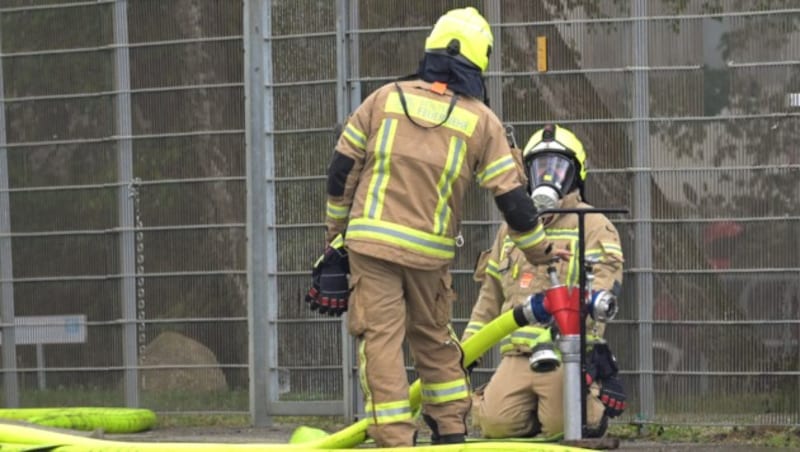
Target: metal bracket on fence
138, 224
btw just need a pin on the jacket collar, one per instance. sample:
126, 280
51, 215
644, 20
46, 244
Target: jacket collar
570, 201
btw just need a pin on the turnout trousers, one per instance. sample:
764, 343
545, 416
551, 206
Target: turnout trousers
518, 402
390, 303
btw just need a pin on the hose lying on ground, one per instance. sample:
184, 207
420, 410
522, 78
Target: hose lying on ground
108, 419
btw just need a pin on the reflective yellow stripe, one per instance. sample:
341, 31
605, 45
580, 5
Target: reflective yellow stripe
373, 206
362, 372
336, 211
595, 253
530, 239
386, 413
402, 236
612, 248
433, 111
495, 169
452, 168
570, 235
473, 327
563, 233
505, 344
507, 243
492, 269
445, 392
337, 241
356, 137
525, 336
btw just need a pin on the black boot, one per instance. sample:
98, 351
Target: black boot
436, 438
453, 438
597, 431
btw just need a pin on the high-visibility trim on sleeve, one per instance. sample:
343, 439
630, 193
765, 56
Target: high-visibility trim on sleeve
356, 137
612, 248
530, 239
474, 326
373, 206
434, 112
526, 336
402, 236
493, 269
336, 211
455, 160
445, 392
495, 169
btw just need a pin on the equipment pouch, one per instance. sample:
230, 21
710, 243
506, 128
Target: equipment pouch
356, 316
444, 301
480, 265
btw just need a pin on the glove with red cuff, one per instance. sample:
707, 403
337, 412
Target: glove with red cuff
601, 366
612, 395
330, 291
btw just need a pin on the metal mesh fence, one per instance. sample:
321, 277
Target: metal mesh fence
162, 192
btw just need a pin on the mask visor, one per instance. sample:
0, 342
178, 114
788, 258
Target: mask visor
554, 170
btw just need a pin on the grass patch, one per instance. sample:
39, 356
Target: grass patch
203, 420
768, 436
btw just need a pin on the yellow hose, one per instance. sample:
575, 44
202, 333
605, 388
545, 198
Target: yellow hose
474, 347
109, 419
20, 438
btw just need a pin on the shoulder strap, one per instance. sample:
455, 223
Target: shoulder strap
450, 108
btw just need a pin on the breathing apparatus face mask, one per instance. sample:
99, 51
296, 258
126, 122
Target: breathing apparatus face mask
551, 175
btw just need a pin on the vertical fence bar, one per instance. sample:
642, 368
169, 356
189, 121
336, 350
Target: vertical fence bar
494, 84
9, 347
494, 88
353, 84
271, 294
354, 61
262, 295
643, 257
127, 246
343, 108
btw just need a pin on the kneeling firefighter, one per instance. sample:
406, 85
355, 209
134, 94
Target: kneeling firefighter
525, 394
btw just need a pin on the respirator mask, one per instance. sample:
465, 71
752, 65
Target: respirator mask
551, 176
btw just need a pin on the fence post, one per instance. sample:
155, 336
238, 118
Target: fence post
344, 105
124, 131
9, 348
643, 257
262, 290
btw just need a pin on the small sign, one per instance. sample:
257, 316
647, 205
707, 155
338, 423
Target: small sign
793, 100
541, 53
50, 329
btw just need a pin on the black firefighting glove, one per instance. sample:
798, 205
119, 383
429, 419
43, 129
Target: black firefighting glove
601, 366
612, 395
329, 290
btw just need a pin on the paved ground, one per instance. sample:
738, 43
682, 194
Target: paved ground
281, 434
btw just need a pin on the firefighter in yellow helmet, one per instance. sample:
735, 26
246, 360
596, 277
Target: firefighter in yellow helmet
395, 192
525, 394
